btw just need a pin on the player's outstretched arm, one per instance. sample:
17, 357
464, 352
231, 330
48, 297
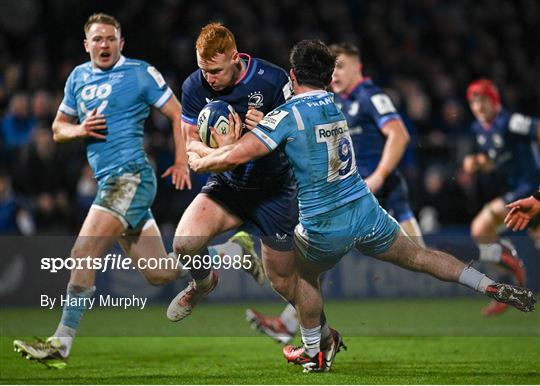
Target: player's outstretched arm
521, 213
397, 139
66, 129
193, 141
180, 170
230, 156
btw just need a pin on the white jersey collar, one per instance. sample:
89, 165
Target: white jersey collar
120, 61
310, 93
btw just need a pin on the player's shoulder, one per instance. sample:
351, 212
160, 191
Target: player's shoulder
193, 81
136, 65
269, 72
80, 70
517, 123
369, 94
270, 69
367, 89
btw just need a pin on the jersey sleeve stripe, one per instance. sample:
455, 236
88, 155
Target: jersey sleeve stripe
265, 139
67, 110
248, 77
299, 121
191, 121
387, 118
164, 98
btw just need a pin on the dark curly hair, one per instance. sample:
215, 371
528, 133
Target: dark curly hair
312, 63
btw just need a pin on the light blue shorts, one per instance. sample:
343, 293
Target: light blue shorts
324, 239
128, 194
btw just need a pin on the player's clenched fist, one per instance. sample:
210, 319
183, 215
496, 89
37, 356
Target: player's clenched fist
253, 117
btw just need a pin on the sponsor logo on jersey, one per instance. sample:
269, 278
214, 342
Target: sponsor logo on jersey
273, 118
383, 104
255, 99
156, 75
330, 131
520, 124
94, 91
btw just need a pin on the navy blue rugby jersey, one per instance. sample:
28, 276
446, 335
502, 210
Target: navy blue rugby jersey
264, 86
367, 109
510, 143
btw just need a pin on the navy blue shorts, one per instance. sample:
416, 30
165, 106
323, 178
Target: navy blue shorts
272, 212
394, 197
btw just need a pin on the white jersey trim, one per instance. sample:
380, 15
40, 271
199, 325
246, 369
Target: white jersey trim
269, 142
67, 110
164, 98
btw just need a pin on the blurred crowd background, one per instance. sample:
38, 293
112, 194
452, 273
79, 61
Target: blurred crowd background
423, 53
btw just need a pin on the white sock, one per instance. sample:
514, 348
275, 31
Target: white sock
290, 318
490, 252
65, 335
229, 248
312, 340
475, 280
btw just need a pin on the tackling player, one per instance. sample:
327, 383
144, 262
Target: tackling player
379, 139
261, 192
337, 211
508, 142
106, 102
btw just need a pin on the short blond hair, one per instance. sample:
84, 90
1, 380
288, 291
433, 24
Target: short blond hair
214, 39
102, 18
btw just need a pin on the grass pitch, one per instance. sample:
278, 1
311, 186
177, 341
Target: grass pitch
402, 341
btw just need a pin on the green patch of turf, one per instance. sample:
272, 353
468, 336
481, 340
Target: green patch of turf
390, 342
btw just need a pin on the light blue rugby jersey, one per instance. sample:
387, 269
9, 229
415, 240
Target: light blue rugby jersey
319, 148
123, 94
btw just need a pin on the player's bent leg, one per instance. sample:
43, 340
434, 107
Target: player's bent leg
494, 250
147, 244
99, 231
318, 351
405, 253
309, 304
443, 266
486, 223
412, 229
201, 222
281, 270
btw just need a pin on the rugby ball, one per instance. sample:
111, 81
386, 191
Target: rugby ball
214, 114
